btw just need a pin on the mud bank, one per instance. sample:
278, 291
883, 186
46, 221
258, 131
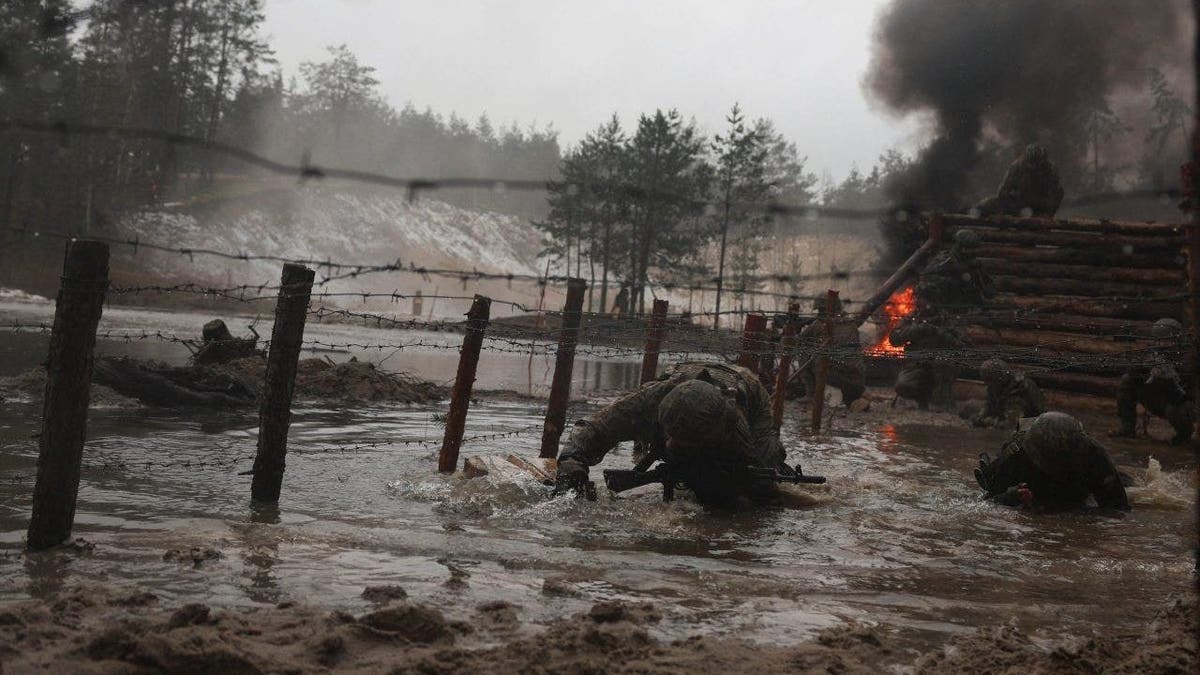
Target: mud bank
97, 632
127, 382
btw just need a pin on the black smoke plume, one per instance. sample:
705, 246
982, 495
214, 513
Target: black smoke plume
1012, 72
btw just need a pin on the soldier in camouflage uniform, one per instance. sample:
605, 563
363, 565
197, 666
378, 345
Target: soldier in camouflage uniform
707, 420
954, 278
1054, 466
1158, 387
929, 370
1030, 187
846, 363
952, 281
1010, 396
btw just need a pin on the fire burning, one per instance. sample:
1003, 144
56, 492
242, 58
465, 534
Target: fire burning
902, 303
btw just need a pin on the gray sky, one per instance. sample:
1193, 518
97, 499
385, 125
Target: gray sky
574, 63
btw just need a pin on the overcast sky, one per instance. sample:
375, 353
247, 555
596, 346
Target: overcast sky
573, 63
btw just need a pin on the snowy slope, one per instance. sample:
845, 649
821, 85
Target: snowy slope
355, 225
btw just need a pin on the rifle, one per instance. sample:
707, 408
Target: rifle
620, 480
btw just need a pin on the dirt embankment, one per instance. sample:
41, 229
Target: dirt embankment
125, 382
94, 632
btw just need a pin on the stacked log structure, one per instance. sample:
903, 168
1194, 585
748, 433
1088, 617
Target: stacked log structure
1075, 298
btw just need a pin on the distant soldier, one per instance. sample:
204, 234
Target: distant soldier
220, 346
621, 303
847, 367
710, 421
1010, 396
954, 278
930, 368
1054, 466
1158, 386
1030, 187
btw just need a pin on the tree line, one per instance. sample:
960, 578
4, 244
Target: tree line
203, 69
665, 203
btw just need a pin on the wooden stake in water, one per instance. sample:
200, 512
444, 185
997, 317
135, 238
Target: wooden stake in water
275, 410
460, 398
68, 386
756, 325
564, 362
787, 349
654, 336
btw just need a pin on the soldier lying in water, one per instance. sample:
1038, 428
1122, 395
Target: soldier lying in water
1054, 466
711, 422
1010, 396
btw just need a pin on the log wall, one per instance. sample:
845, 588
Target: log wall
1075, 299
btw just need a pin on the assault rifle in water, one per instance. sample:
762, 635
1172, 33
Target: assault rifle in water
620, 480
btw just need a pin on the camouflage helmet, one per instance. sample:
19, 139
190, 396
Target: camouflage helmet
1057, 444
994, 370
967, 238
696, 413
1166, 328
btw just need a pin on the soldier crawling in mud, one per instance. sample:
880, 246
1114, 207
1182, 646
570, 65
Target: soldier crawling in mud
1010, 396
1158, 386
711, 422
952, 281
1053, 466
846, 363
220, 346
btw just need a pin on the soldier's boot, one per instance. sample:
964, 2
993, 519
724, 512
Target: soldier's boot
1126, 408
1180, 417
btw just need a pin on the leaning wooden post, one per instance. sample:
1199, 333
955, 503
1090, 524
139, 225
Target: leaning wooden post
822, 375
787, 346
275, 410
460, 398
654, 335
564, 362
68, 382
756, 325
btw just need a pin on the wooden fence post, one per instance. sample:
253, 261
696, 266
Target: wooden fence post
68, 383
654, 335
822, 375
275, 410
787, 346
464, 380
564, 361
756, 324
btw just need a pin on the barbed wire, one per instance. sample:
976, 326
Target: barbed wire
413, 186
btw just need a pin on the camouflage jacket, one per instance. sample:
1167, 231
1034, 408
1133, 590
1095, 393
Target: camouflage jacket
952, 280
1019, 397
635, 418
916, 334
1094, 475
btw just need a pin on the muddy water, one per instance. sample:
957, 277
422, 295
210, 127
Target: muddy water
897, 537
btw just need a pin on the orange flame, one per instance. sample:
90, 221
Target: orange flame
902, 303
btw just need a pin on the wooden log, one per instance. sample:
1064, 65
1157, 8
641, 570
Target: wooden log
1097, 289
1095, 307
464, 381
275, 407
1033, 270
787, 344
1054, 341
1090, 225
1069, 323
1095, 385
654, 335
752, 332
1161, 260
564, 361
68, 386
1110, 243
904, 273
